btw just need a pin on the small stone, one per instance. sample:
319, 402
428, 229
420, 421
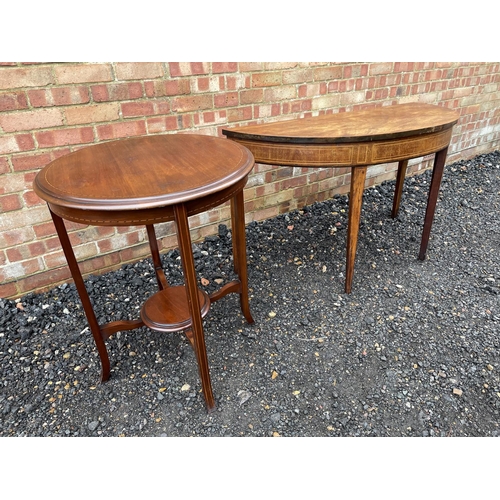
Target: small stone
93, 425
456, 391
185, 387
272, 314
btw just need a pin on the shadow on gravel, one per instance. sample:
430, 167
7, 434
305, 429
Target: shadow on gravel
412, 351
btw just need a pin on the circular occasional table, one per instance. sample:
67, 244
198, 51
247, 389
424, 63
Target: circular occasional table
145, 181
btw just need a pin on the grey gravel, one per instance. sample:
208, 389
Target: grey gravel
412, 351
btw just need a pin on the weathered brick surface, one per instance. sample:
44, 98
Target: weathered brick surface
50, 109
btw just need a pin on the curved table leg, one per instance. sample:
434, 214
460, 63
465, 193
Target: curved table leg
358, 176
184, 239
240, 252
84, 296
437, 174
399, 187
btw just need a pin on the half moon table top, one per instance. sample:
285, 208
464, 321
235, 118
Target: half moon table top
361, 137
369, 124
143, 172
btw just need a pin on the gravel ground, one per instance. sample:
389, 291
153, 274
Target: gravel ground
412, 351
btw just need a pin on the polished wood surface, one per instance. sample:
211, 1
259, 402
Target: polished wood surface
364, 125
145, 181
143, 172
358, 139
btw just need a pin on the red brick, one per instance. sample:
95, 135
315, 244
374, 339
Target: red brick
11, 101
280, 93
203, 84
188, 68
93, 113
130, 109
101, 263
297, 76
162, 88
239, 114
16, 236
59, 96
10, 202
44, 229
226, 100
224, 67
8, 144
9, 290
192, 103
14, 78
83, 73
162, 107
139, 70
12, 183
122, 129
17, 270
30, 120
266, 79
250, 66
64, 137
44, 280
25, 142
91, 234
162, 124
31, 199
30, 162
27, 251
380, 68
251, 96
332, 73
117, 92
4, 166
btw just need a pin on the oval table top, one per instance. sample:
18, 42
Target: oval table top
143, 172
363, 125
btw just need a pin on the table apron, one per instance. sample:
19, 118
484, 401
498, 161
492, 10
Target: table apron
145, 216
347, 154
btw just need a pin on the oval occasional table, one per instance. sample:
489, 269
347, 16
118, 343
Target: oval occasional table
358, 139
145, 181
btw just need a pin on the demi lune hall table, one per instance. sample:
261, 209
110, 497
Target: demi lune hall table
145, 181
358, 139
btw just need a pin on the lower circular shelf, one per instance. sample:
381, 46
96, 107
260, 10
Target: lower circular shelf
168, 310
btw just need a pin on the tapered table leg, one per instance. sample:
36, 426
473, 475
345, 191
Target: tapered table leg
437, 174
84, 296
239, 251
399, 187
155, 255
184, 240
358, 176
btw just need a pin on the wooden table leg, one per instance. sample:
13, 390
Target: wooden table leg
240, 251
358, 176
84, 296
437, 174
184, 239
399, 187
155, 255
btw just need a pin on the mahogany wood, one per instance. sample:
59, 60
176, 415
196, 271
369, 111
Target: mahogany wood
168, 311
145, 181
358, 139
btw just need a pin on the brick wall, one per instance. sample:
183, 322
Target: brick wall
48, 110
